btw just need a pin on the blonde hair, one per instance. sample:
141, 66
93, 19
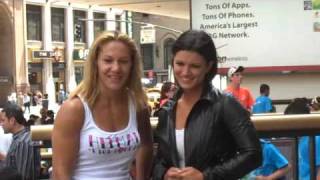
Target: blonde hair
88, 90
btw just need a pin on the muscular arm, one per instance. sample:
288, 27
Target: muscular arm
65, 138
144, 153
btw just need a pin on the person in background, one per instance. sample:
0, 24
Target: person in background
202, 133
104, 125
43, 115
34, 98
61, 96
234, 88
301, 106
167, 91
21, 156
5, 142
45, 101
47, 116
50, 117
274, 165
315, 103
12, 98
39, 98
26, 102
32, 120
263, 103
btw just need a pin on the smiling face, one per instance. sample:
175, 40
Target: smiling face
114, 65
190, 69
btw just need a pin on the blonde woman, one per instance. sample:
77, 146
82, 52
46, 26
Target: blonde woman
104, 125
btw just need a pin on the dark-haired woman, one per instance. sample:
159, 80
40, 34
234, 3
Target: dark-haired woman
202, 134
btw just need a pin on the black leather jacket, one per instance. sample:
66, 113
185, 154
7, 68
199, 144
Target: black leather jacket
220, 140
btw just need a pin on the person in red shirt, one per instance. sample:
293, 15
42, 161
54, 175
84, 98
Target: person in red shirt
242, 94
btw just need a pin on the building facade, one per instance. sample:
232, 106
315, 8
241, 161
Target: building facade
44, 44
157, 56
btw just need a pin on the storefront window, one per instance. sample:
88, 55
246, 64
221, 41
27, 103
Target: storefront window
118, 23
34, 23
79, 26
99, 26
57, 27
147, 56
79, 74
35, 76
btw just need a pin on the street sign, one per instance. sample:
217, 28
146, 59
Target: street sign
41, 54
5, 79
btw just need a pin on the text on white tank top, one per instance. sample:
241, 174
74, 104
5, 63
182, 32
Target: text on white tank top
106, 155
180, 146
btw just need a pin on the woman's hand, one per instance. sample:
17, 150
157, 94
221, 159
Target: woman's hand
172, 174
187, 173
190, 173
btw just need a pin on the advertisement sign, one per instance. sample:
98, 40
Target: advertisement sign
5, 79
147, 34
41, 54
57, 54
261, 33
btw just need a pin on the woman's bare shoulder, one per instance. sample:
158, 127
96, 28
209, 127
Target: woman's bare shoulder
70, 114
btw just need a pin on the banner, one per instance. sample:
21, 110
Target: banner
258, 33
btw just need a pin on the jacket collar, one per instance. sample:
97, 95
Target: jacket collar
209, 93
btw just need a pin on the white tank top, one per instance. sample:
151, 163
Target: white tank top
106, 155
180, 146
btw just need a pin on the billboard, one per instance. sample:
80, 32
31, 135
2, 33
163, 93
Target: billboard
265, 33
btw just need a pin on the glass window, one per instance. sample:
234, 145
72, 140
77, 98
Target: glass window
57, 27
99, 26
168, 44
79, 73
147, 56
118, 23
34, 30
79, 26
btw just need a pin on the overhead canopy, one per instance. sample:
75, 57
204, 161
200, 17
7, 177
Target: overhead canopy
173, 8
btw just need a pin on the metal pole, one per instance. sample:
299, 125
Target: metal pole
296, 148
312, 159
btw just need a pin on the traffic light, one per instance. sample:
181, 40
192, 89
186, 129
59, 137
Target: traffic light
77, 32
